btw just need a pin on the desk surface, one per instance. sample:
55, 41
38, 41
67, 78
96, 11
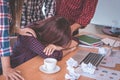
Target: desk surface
30, 69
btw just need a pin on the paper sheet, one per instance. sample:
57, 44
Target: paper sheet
110, 42
107, 74
71, 75
101, 74
111, 60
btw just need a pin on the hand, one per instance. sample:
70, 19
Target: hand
51, 48
74, 27
27, 32
12, 74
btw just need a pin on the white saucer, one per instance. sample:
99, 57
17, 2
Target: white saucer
41, 68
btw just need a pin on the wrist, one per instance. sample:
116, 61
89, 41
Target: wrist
5, 69
5, 62
75, 26
58, 48
17, 30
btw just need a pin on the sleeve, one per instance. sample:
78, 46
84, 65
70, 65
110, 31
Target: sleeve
5, 48
87, 12
49, 8
37, 47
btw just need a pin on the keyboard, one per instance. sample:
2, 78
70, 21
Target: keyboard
93, 58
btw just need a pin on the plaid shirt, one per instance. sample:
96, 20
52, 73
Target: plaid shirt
77, 11
27, 47
5, 48
34, 10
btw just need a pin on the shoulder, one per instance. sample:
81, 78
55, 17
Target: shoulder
30, 38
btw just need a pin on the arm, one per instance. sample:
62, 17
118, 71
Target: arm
87, 12
23, 21
49, 8
70, 48
5, 50
51, 47
37, 47
86, 16
25, 31
74, 27
73, 45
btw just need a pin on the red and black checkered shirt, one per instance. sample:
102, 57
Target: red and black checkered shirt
77, 11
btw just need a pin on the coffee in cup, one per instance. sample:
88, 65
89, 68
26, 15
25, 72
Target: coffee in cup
50, 64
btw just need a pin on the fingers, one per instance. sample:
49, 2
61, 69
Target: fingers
18, 75
14, 76
31, 33
49, 49
27, 32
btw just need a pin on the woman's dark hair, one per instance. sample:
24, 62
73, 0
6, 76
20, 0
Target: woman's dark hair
55, 30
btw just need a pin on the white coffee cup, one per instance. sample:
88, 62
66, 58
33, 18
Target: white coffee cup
50, 64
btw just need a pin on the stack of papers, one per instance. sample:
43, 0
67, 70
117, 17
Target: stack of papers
111, 42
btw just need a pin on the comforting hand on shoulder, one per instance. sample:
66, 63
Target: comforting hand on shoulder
26, 31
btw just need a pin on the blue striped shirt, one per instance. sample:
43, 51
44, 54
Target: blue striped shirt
5, 48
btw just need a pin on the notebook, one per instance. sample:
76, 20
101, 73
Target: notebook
89, 40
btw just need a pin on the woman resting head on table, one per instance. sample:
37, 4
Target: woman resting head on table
54, 40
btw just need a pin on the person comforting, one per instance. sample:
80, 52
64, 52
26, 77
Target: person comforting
25, 12
7, 18
53, 40
78, 12
5, 48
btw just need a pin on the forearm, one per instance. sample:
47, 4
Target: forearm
65, 52
5, 63
70, 48
75, 27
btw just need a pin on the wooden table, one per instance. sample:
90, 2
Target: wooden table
30, 69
